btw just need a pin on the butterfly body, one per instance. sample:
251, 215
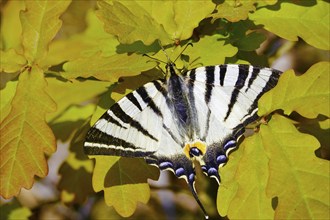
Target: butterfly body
197, 115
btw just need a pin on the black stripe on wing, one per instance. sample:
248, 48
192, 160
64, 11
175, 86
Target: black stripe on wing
223, 70
209, 82
254, 75
133, 99
272, 81
110, 145
242, 75
146, 98
110, 119
190, 85
119, 113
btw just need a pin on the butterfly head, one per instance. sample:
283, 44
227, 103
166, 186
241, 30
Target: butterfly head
171, 69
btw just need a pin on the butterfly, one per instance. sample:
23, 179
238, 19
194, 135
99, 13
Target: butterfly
197, 115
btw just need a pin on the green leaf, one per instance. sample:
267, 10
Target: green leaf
242, 193
297, 178
131, 24
234, 11
187, 15
132, 21
25, 136
277, 162
72, 93
299, 93
66, 123
124, 181
107, 68
6, 96
311, 23
40, 23
216, 53
13, 211
92, 41
11, 61
11, 37
77, 167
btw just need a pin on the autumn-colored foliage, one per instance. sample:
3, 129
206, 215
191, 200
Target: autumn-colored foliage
63, 63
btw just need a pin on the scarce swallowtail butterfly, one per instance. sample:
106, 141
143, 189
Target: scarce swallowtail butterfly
197, 115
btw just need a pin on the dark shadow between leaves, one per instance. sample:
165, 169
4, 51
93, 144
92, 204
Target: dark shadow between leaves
130, 171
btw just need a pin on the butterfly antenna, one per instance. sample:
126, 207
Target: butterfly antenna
190, 44
161, 46
153, 58
193, 191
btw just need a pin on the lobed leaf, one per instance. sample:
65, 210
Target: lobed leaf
73, 92
6, 96
124, 181
234, 11
77, 167
131, 21
299, 93
242, 193
216, 53
187, 15
13, 211
297, 178
107, 68
11, 37
277, 162
40, 23
67, 122
87, 44
312, 24
181, 17
25, 136
131, 24
11, 61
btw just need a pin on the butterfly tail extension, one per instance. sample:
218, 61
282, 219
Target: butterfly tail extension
191, 184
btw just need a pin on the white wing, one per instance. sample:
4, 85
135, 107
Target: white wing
225, 98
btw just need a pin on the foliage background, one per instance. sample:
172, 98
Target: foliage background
64, 62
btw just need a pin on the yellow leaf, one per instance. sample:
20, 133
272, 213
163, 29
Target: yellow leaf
234, 11
86, 44
40, 23
11, 61
124, 197
298, 178
309, 94
131, 24
309, 20
14, 211
124, 181
242, 193
181, 17
74, 92
107, 68
11, 37
25, 136
77, 167
6, 96
216, 53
